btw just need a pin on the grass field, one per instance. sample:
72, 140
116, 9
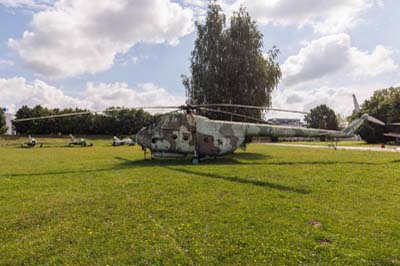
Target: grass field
266, 206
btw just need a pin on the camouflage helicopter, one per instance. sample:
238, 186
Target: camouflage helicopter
181, 134
120, 142
78, 142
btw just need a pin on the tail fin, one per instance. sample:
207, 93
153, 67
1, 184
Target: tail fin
357, 108
356, 124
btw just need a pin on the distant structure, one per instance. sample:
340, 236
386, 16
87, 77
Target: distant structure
11, 129
287, 122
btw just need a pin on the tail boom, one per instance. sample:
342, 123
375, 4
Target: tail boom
290, 131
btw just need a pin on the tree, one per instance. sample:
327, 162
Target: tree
208, 59
385, 106
342, 121
322, 117
228, 65
3, 124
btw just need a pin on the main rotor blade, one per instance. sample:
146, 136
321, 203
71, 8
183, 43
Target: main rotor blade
395, 124
91, 112
51, 116
251, 107
233, 114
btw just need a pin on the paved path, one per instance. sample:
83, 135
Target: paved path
354, 148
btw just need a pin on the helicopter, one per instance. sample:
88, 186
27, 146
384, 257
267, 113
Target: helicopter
32, 142
78, 142
181, 134
184, 131
120, 142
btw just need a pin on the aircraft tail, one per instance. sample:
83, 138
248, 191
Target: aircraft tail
357, 108
356, 124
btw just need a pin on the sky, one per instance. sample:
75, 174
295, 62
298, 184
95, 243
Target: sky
97, 54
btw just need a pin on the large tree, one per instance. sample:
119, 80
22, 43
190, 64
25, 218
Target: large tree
3, 124
385, 106
322, 117
228, 64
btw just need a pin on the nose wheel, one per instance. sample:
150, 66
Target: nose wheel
195, 160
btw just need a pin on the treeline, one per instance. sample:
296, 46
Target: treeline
121, 122
3, 125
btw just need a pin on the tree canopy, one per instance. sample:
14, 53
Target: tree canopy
122, 122
228, 64
322, 117
385, 106
3, 124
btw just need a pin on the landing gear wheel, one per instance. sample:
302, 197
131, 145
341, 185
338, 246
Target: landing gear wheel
195, 160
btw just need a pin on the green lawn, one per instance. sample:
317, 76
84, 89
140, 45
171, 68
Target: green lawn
269, 205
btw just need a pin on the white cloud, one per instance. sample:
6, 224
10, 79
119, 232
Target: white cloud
380, 61
103, 95
338, 98
327, 16
15, 92
332, 58
6, 63
77, 37
329, 70
318, 58
28, 4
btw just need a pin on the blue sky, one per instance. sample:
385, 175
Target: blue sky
94, 54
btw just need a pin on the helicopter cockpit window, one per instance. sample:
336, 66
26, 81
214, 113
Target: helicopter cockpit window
185, 137
208, 139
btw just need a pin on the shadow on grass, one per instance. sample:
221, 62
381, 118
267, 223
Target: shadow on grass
242, 158
241, 180
322, 163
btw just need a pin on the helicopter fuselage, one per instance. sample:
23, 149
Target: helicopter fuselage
177, 135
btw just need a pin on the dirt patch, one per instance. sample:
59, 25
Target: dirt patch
315, 223
325, 242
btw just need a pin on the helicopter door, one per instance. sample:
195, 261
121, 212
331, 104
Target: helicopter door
184, 140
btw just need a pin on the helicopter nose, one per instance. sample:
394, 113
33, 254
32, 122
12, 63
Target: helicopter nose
143, 138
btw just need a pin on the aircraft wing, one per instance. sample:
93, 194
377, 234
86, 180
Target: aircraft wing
392, 135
